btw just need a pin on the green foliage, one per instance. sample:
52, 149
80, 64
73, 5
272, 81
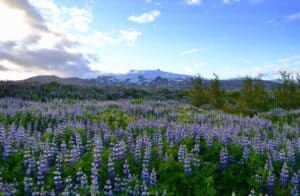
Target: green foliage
251, 99
287, 94
198, 93
185, 115
216, 93
212, 94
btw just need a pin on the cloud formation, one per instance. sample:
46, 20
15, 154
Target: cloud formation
130, 36
193, 2
191, 51
230, 1
43, 49
145, 17
55, 60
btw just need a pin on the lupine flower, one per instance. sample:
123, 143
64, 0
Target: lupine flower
181, 153
145, 174
224, 158
58, 183
144, 191
111, 169
270, 183
284, 175
187, 166
126, 169
69, 188
108, 189
153, 180
117, 185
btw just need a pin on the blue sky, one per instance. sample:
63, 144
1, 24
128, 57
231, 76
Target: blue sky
231, 38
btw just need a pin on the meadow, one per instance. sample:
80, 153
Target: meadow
145, 147
58, 139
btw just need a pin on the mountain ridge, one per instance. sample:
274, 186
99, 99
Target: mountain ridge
140, 78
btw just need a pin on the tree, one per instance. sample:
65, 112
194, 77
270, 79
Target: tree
216, 93
287, 93
198, 93
253, 97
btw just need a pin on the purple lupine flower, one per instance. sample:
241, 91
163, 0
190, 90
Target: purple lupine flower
145, 174
137, 151
126, 169
58, 183
94, 178
284, 175
270, 183
144, 191
81, 179
28, 185
224, 158
117, 185
282, 156
63, 148
153, 180
108, 189
160, 146
295, 191
7, 149
187, 166
147, 155
295, 180
246, 152
69, 188
291, 154
196, 148
111, 168
181, 153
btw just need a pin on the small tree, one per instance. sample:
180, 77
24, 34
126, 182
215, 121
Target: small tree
287, 93
253, 97
216, 93
198, 93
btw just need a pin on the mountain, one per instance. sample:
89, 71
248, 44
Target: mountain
137, 75
143, 79
51, 78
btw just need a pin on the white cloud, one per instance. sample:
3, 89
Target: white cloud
64, 18
130, 36
145, 17
193, 2
290, 64
12, 22
98, 39
191, 51
230, 1
295, 16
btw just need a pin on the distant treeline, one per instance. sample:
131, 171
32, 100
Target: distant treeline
56, 90
251, 99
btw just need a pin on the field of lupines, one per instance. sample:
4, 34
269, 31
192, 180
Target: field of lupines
136, 147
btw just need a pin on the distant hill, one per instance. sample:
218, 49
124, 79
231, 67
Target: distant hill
143, 79
47, 79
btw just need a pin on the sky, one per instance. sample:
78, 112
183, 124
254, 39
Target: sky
87, 38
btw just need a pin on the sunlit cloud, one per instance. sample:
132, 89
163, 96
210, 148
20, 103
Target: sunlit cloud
193, 2
190, 51
145, 17
130, 36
